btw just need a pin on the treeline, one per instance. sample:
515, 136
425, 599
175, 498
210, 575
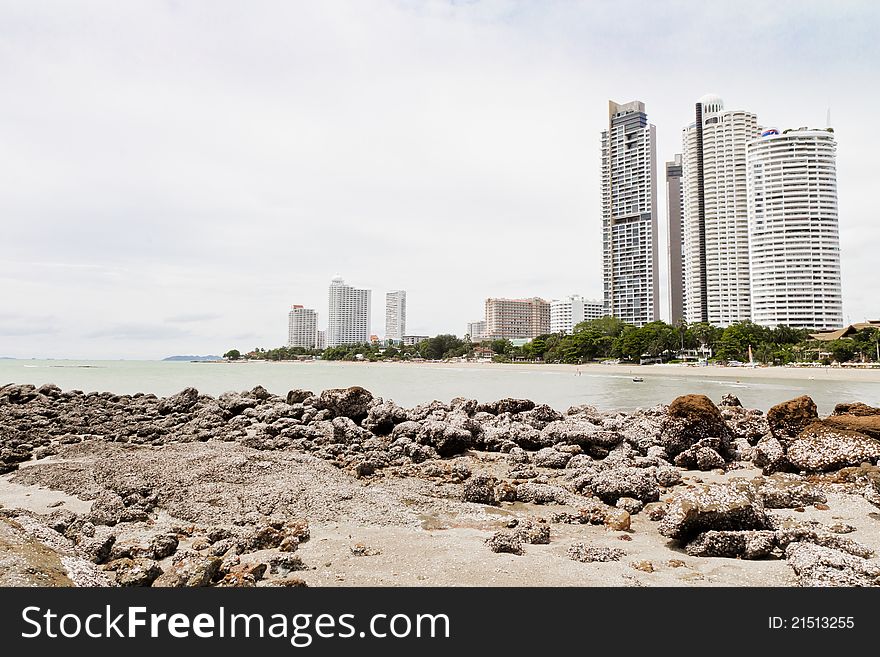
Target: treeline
610, 338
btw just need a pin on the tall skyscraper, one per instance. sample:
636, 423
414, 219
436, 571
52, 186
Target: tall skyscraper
793, 232
629, 215
395, 315
517, 318
477, 330
348, 319
567, 313
302, 327
675, 220
716, 239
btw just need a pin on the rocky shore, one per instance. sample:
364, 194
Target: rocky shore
339, 487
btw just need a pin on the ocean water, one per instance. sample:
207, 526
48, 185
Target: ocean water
409, 385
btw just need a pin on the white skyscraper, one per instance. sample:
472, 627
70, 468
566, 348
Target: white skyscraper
630, 265
477, 330
567, 313
348, 319
793, 233
716, 240
302, 327
395, 315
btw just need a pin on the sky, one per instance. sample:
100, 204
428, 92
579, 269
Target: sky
176, 174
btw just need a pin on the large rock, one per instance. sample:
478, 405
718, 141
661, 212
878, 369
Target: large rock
135, 572
382, 417
788, 419
191, 571
235, 403
351, 402
505, 542
866, 424
822, 447
733, 544
856, 408
695, 418
816, 565
639, 483
769, 454
182, 402
735, 505
786, 491
446, 439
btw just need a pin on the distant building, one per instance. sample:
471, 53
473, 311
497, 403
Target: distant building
630, 267
517, 318
321, 342
793, 232
395, 315
412, 340
348, 319
567, 313
477, 330
715, 208
675, 224
302, 327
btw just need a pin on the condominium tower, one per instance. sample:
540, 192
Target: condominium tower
629, 215
567, 313
477, 330
517, 318
395, 315
715, 239
302, 327
793, 232
675, 224
348, 319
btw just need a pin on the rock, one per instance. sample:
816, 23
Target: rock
97, 548
535, 532
855, 408
446, 439
540, 494
618, 520
353, 402
816, 565
639, 483
769, 454
730, 401
819, 535
362, 550
785, 491
194, 571
694, 417
298, 396
135, 572
644, 566
590, 553
668, 476
868, 425
479, 489
551, 458
701, 456
163, 545
235, 403
383, 417
505, 541
733, 544
788, 419
107, 509
655, 510
734, 505
182, 402
284, 564
505, 492
821, 447
629, 504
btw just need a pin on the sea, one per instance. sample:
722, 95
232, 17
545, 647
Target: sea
412, 384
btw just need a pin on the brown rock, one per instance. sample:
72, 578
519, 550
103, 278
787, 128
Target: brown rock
618, 520
866, 424
855, 408
822, 447
644, 566
788, 419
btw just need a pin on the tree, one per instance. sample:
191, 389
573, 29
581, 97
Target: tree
501, 347
842, 350
232, 354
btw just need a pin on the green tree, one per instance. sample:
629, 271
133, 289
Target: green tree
232, 354
842, 350
501, 347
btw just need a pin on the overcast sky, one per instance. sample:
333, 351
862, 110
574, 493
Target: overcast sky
173, 175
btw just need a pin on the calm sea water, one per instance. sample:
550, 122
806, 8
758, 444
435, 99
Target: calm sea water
409, 385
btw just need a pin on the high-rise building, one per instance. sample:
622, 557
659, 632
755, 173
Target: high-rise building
302, 327
716, 238
567, 313
477, 330
675, 221
513, 319
348, 319
395, 315
321, 342
629, 215
793, 232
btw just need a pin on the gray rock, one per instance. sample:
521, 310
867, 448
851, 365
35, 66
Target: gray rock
505, 541
551, 458
590, 553
735, 505
822, 448
639, 483
816, 565
733, 544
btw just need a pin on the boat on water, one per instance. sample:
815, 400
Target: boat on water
637, 379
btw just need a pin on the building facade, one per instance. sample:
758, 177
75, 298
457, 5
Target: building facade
675, 225
793, 229
511, 319
477, 330
567, 313
412, 340
715, 209
302, 327
321, 341
348, 318
395, 315
630, 269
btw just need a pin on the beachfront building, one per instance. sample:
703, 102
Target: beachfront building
793, 231
321, 341
302, 327
413, 340
567, 313
477, 330
715, 209
395, 316
511, 319
630, 268
348, 318
675, 224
